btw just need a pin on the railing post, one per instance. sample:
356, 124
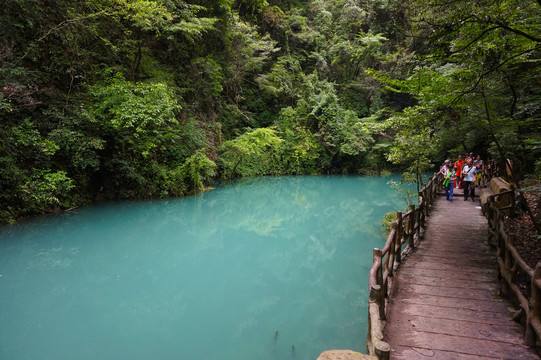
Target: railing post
428, 196
382, 350
499, 238
418, 212
388, 264
422, 209
377, 292
433, 190
510, 262
512, 209
534, 307
411, 226
376, 310
398, 237
492, 240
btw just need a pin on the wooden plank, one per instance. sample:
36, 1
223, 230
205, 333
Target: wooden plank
448, 247
456, 283
481, 261
482, 275
429, 264
463, 345
455, 245
470, 304
449, 313
443, 275
510, 332
413, 353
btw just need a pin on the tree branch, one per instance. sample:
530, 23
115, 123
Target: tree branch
475, 39
488, 72
58, 27
468, 44
518, 32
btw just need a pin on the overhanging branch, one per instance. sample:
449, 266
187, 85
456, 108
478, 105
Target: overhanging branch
518, 32
58, 27
490, 71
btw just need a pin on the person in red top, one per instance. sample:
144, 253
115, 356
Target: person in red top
458, 168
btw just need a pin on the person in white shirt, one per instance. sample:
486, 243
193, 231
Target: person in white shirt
445, 167
468, 173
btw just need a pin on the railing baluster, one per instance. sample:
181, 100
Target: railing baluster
398, 237
411, 226
533, 328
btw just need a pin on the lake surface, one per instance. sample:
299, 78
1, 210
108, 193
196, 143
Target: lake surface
268, 268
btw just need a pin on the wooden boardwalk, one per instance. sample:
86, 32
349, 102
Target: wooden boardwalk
445, 301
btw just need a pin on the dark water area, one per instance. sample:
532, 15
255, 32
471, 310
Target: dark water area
267, 268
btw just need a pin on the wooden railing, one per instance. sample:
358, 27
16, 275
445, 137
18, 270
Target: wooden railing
492, 169
512, 268
405, 230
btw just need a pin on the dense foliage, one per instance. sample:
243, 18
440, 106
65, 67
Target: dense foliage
476, 79
114, 99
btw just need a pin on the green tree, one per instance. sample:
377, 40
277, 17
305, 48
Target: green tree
251, 153
46, 189
494, 48
138, 123
196, 171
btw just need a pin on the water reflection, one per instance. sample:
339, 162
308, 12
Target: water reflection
213, 276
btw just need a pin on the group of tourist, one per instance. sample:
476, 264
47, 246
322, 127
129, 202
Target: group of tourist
465, 173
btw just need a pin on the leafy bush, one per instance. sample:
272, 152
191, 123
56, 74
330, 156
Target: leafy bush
197, 170
46, 189
388, 219
139, 108
251, 153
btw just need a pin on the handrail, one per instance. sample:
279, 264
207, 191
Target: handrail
511, 265
406, 229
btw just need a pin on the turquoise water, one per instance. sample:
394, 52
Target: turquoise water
269, 268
